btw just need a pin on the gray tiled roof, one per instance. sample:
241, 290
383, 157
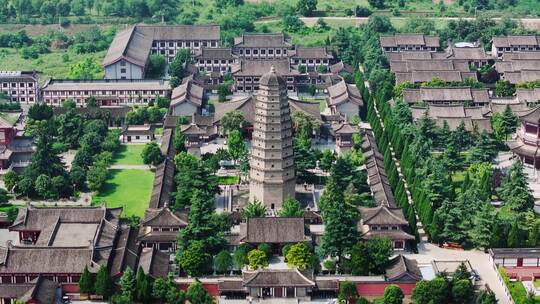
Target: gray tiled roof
516, 40
134, 44
275, 230
402, 268
261, 40
154, 262
409, 39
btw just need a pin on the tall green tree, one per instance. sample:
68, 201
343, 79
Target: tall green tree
393, 295
481, 234
143, 287
195, 260
340, 222
257, 259
104, 283
300, 256
202, 226
86, 282
151, 154
127, 283
236, 145
348, 294
254, 209
514, 191
223, 262
291, 208
509, 122
197, 294
232, 121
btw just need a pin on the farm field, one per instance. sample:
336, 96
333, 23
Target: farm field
52, 65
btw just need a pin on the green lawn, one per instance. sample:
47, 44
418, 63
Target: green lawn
130, 188
228, 180
519, 294
129, 155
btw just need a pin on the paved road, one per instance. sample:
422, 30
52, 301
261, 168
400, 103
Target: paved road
479, 260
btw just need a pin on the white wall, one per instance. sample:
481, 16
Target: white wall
114, 71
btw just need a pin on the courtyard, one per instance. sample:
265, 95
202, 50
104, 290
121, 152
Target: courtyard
127, 188
129, 155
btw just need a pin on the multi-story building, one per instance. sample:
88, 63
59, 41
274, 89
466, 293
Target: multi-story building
20, 86
215, 60
410, 42
513, 44
248, 73
107, 92
311, 58
262, 46
127, 57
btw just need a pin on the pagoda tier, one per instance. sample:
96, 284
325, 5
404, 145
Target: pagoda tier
272, 173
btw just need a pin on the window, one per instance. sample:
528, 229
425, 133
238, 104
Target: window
137, 137
123, 70
122, 63
4, 85
255, 52
171, 44
270, 52
21, 84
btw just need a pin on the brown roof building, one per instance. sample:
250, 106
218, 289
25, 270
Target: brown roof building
514, 43
311, 57
39, 290
249, 72
344, 99
60, 242
215, 60
377, 178
409, 42
128, 55
402, 269
155, 263
454, 115
425, 76
267, 46
449, 95
160, 227
384, 221
186, 99
107, 92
